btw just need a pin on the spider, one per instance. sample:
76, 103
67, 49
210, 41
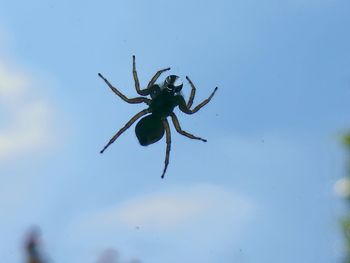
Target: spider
164, 98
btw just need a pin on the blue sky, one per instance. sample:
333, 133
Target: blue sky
260, 189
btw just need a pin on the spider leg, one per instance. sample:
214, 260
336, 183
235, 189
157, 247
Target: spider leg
122, 96
168, 145
127, 126
193, 93
183, 107
136, 79
142, 92
155, 77
182, 132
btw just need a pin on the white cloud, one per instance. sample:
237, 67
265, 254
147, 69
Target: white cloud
342, 187
26, 115
174, 208
12, 83
180, 221
178, 207
161, 210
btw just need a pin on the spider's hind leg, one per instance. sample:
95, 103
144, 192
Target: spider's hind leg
168, 145
127, 126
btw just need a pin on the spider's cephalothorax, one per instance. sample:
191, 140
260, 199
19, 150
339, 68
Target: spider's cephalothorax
164, 98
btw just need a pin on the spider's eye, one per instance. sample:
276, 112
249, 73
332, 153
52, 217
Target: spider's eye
173, 83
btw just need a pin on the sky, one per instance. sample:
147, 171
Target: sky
260, 189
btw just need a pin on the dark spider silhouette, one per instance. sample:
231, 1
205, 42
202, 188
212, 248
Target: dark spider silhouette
164, 98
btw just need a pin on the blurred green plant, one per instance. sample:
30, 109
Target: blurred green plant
347, 140
345, 192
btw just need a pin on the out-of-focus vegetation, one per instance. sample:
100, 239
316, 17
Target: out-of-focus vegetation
347, 140
344, 190
34, 253
32, 247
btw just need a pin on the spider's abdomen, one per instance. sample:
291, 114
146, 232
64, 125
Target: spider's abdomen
163, 104
149, 130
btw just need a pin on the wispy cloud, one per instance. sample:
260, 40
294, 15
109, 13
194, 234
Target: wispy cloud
180, 218
12, 82
26, 117
174, 208
179, 206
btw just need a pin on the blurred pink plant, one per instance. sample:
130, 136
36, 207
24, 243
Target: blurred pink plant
32, 246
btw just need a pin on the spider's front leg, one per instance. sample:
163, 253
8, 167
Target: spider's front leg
155, 77
146, 91
184, 107
193, 93
122, 96
168, 145
143, 92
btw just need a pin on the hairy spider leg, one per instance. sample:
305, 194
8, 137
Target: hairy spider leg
183, 107
122, 96
168, 145
136, 79
142, 92
193, 93
182, 132
155, 77
127, 126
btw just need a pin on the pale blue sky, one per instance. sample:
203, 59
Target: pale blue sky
260, 189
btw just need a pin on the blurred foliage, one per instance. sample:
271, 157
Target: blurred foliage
346, 230
346, 140
34, 253
346, 219
32, 247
